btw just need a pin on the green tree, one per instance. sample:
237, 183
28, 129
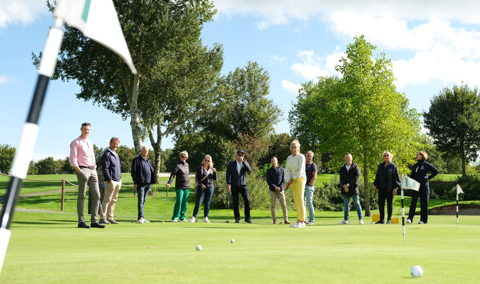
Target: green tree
32, 168
453, 122
279, 146
7, 153
47, 166
361, 113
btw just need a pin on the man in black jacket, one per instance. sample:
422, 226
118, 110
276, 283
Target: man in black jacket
276, 181
237, 182
349, 175
113, 181
143, 177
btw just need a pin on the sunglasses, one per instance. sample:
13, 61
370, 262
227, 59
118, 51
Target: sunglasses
184, 156
207, 160
386, 155
240, 155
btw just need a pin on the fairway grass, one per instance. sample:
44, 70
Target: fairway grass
48, 248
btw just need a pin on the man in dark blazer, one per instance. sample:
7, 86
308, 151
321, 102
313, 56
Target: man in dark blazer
276, 181
237, 182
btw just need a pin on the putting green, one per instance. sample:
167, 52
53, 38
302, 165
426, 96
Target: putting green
48, 248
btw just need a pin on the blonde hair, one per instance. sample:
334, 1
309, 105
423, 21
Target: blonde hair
296, 143
390, 154
424, 155
183, 153
210, 164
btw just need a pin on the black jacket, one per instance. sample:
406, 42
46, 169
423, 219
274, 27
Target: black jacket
420, 172
181, 172
351, 177
232, 174
111, 166
200, 173
388, 174
137, 171
276, 178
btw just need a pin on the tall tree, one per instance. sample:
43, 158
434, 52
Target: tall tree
453, 121
7, 153
361, 113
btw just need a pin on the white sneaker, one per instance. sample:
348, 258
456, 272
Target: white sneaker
145, 221
302, 225
421, 222
343, 222
184, 220
174, 221
141, 220
294, 225
310, 223
192, 220
206, 220
361, 222
409, 221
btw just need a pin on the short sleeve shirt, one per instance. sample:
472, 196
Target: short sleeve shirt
309, 170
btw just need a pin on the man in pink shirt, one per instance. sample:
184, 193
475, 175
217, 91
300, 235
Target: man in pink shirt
82, 159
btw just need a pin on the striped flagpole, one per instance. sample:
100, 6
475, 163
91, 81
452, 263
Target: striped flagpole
403, 215
457, 206
28, 138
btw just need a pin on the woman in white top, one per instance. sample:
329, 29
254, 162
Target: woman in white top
295, 175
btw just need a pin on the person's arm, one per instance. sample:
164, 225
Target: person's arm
74, 157
396, 179
133, 173
106, 165
288, 175
247, 166
214, 175
173, 174
314, 174
376, 181
270, 183
227, 177
282, 182
196, 175
434, 172
343, 178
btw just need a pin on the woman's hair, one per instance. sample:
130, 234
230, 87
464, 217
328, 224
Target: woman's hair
296, 143
424, 155
390, 154
210, 164
311, 152
183, 153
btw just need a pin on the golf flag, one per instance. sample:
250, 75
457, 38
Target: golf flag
410, 183
96, 19
459, 189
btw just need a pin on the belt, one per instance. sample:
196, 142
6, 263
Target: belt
83, 167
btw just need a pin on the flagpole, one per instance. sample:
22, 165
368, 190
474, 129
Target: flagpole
28, 137
403, 216
457, 205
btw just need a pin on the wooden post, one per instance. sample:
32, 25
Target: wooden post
63, 193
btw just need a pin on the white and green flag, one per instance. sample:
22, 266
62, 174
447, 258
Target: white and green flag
459, 189
96, 19
410, 183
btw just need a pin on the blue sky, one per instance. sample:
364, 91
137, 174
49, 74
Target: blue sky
433, 44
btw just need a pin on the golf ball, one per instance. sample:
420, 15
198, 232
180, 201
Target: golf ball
416, 271
232, 241
199, 247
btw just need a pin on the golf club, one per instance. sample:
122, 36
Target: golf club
164, 211
276, 207
133, 211
228, 208
372, 207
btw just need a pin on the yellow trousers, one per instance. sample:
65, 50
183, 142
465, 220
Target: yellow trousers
298, 190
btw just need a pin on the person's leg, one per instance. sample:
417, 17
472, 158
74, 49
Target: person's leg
93, 186
390, 204
178, 204
300, 190
283, 204
358, 206
140, 202
294, 188
198, 201
309, 202
413, 205
424, 198
111, 205
346, 206
246, 201
273, 202
183, 210
82, 190
381, 203
109, 189
235, 192
208, 193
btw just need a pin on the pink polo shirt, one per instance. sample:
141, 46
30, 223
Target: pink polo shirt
81, 153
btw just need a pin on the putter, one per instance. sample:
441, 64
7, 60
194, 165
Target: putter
228, 208
276, 207
164, 211
133, 211
373, 206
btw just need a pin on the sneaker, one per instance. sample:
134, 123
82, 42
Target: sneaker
361, 222
145, 221
237, 220
389, 221
380, 222
113, 221
294, 225
421, 222
206, 220
344, 222
141, 220
310, 223
174, 221
104, 221
302, 225
409, 221
183, 220
193, 219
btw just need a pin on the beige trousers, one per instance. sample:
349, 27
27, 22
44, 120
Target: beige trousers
111, 194
273, 201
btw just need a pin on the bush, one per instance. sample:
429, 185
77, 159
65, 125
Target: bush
470, 185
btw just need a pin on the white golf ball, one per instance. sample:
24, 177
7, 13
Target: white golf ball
199, 247
232, 241
416, 271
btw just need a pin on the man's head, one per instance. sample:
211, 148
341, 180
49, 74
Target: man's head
348, 158
239, 155
183, 156
85, 129
309, 157
114, 142
274, 161
144, 151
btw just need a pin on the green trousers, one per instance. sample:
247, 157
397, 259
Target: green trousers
181, 204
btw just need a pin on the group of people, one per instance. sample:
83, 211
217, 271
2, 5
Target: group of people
299, 174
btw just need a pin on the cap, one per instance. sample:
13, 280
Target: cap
240, 151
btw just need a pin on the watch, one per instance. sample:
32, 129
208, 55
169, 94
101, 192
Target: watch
348, 184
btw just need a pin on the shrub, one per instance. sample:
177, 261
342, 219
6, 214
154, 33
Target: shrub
470, 185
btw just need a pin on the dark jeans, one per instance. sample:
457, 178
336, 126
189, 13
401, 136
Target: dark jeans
142, 191
424, 193
243, 190
203, 194
382, 194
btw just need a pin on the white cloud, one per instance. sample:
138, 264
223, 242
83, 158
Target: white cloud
291, 87
278, 59
21, 11
313, 66
5, 80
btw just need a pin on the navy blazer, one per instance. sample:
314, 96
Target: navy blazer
420, 172
111, 166
276, 178
137, 171
391, 174
232, 173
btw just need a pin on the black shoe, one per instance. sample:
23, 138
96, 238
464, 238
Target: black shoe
96, 225
237, 220
249, 221
380, 222
389, 221
83, 225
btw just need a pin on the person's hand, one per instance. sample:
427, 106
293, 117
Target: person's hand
203, 186
168, 185
228, 187
375, 189
345, 187
394, 191
277, 189
135, 187
110, 181
288, 185
214, 170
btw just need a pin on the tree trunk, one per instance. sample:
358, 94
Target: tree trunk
464, 172
135, 117
366, 187
157, 146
